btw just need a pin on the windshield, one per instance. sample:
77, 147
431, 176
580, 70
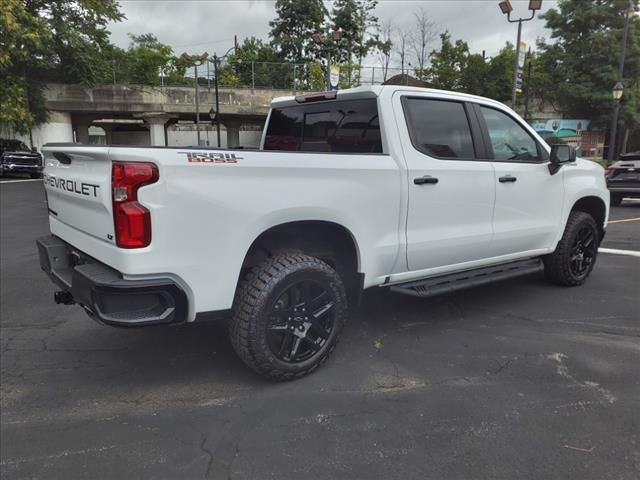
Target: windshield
15, 145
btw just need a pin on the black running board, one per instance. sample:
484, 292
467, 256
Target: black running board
468, 278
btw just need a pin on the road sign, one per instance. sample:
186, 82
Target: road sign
334, 76
520, 74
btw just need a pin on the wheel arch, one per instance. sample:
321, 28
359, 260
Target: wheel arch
594, 206
329, 241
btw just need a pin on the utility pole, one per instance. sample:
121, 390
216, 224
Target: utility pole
619, 88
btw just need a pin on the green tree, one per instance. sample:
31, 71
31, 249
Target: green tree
146, 57
360, 34
49, 40
292, 30
498, 77
582, 60
473, 75
257, 63
448, 64
453, 67
317, 77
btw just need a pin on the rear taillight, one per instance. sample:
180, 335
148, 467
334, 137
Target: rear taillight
132, 220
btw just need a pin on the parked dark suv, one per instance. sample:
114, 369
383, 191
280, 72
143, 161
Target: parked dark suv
16, 157
623, 178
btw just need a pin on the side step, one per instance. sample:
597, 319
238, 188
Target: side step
468, 278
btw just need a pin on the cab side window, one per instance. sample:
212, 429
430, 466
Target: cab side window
509, 140
439, 128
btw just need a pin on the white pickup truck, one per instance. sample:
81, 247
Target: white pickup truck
419, 190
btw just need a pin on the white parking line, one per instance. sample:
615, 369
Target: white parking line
631, 253
21, 181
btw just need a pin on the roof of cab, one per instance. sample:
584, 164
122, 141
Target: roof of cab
372, 91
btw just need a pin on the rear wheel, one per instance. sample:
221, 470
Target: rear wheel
616, 199
576, 253
287, 315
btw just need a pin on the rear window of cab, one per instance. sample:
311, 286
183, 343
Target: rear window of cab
342, 126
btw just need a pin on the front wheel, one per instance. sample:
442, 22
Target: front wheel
287, 315
35, 175
575, 255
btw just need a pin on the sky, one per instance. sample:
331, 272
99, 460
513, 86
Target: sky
197, 26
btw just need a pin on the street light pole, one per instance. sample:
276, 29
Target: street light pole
215, 83
215, 75
506, 8
619, 88
197, 107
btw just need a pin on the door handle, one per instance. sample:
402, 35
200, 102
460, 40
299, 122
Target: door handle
507, 179
426, 179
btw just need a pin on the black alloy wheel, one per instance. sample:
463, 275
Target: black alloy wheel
287, 315
301, 321
575, 256
583, 252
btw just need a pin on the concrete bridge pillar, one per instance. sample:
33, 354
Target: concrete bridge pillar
82, 131
108, 132
156, 122
233, 133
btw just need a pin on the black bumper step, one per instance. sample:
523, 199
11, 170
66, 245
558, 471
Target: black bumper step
104, 294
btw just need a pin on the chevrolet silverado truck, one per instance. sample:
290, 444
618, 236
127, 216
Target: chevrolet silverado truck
417, 190
16, 157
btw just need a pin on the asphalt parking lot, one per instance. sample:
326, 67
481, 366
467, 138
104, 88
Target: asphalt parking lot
520, 379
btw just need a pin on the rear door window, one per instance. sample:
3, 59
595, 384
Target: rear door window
343, 126
439, 128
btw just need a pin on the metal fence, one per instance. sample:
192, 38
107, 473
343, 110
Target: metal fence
281, 76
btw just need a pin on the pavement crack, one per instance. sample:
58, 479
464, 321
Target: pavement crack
209, 454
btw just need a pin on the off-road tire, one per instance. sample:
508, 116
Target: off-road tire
251, 308
557, 265
616, 199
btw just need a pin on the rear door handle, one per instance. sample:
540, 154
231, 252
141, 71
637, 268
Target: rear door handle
426, 179
507, 179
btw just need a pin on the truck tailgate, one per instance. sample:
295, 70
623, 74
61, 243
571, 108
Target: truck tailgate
77, 182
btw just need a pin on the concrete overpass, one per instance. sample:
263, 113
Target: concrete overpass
118, 108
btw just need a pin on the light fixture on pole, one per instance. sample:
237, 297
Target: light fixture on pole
506, 8
319, 39
618, 90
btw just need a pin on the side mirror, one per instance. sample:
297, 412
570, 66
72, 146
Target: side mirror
34, 150
561, 154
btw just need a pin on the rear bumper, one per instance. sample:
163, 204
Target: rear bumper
105, 295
